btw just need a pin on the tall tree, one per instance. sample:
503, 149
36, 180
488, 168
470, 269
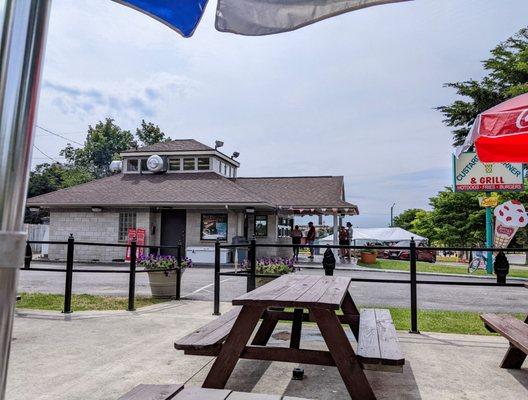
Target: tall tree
103, 144
149, 133
507, 76
404, 219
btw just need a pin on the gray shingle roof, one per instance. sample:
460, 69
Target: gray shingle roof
173, 145
314, 191
199, 188
148, 189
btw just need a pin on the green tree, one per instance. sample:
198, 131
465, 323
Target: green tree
149, 133
507, 76
103, 144
404, 220
423, 225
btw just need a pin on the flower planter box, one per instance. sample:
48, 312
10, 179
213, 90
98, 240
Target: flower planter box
163, 284
260, 281
368, 258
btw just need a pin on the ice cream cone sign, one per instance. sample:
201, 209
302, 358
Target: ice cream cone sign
510, 216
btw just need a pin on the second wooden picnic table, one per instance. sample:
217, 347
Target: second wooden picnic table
322, 296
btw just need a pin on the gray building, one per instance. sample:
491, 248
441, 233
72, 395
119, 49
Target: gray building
185, 192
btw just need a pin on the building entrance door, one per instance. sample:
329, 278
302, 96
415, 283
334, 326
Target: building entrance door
173, 230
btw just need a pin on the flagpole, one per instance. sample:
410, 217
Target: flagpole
22, 42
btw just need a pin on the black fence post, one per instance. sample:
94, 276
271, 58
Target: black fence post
216, 310
69, 275
252, 265
132, 277
178, 271
414, 305
28, 257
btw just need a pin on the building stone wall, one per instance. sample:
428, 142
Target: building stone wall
273, 220
88, 226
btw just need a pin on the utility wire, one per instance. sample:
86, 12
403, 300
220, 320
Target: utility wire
56, 134
51, 158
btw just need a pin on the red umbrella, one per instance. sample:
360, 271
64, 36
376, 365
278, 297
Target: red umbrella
500, 134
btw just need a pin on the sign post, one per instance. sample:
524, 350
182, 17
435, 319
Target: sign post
472, 175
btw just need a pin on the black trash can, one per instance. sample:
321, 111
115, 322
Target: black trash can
241, 252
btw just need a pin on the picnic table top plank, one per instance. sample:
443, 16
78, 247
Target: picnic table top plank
513, 329
391, 353
252, 396
196, 393
296, 290
152, 392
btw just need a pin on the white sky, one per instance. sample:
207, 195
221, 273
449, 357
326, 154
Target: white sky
352, 95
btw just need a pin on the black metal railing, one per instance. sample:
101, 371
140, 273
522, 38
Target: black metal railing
131, 271
251, 275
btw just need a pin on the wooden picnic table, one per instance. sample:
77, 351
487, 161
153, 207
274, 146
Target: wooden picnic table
322, 296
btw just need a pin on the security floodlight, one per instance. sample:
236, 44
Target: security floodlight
218, 143
235, 154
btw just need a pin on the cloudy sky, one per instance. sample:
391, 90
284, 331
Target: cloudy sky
352, 95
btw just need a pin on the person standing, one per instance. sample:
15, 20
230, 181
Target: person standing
310, 239
296, 236
343, 241
350, 231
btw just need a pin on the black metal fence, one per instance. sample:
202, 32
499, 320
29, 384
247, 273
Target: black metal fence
131, 270
251, 275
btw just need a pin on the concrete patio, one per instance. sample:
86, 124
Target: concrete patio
101, 355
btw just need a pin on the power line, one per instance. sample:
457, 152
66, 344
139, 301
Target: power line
51, 158
56, 134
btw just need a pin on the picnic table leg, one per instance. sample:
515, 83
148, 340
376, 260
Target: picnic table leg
233, 346
349, 308
345, 359
266, 328
295, 339
513, 359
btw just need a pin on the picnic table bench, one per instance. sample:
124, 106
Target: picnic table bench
513, 329
179, 392
227, 337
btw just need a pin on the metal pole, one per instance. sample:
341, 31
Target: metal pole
132, 277
392, 215
489, 237
216, 310
251, 284
69, 275
22, 40
414, 303
178, 271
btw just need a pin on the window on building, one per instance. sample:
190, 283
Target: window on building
220, 167
144, 167
225, 169
189, 164
261, 225
127, 220
132, 165
174, 164
284, 227
203, 163
213, 227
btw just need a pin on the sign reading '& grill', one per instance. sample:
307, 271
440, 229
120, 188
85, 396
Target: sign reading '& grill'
476, 176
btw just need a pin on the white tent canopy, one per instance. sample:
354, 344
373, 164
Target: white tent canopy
379, 234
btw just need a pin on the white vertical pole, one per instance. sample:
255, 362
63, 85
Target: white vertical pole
24, 25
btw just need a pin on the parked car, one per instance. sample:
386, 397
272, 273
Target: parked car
422, 255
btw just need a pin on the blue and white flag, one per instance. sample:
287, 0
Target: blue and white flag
266, 17
181, 15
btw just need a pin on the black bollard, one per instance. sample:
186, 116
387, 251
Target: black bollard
329, 262
501, 266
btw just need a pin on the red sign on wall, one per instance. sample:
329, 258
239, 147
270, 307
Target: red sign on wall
139, 235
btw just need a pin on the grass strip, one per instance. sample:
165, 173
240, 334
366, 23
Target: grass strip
80, 302
421, 266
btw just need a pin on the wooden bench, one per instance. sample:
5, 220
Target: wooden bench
208, 339
378, 346
178, 392
513, 329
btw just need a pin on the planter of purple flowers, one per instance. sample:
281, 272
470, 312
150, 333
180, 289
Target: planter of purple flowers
163, 273
270, 266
